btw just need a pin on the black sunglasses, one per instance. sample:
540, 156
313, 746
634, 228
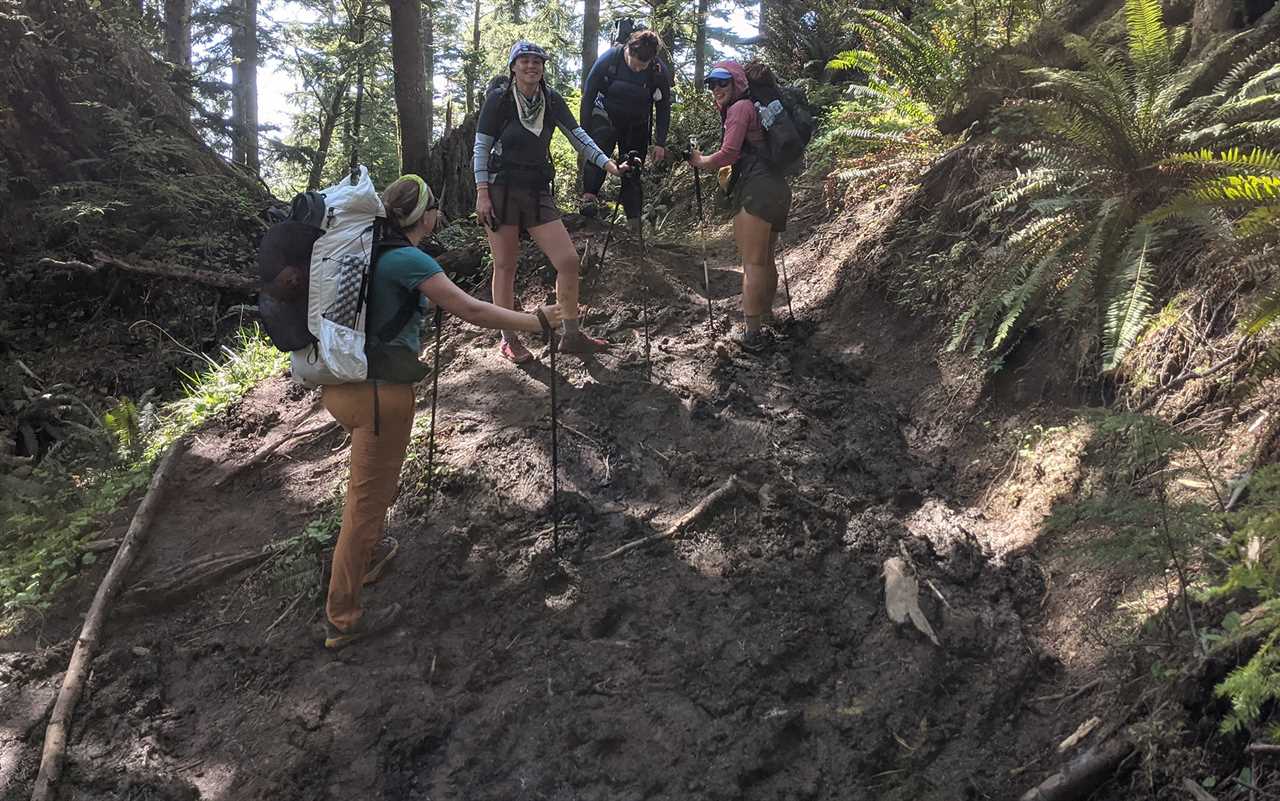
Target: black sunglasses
718, 83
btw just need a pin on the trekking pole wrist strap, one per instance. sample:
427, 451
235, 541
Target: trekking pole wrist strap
543, 321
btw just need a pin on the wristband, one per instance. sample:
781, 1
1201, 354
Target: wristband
543, 321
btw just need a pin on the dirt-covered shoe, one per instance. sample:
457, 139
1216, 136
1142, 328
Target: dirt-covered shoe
754, 341
514, 351
383, 553
373, 621
589, 206
581, 344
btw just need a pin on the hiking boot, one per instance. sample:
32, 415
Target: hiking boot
383, 553
373, 621
589, 206
514, 351
754, 341
580, 344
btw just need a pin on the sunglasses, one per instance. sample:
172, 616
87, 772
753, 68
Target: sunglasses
718, 83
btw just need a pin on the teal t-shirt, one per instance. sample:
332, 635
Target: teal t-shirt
399, 270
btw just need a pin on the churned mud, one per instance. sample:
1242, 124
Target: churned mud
746, 655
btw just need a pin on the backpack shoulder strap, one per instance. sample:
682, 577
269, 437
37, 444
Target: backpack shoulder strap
382, 243
615, 60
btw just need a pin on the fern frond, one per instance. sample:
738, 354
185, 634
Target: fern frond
1107, 228
1264, 314
1149, 47
1130, 307
1232, 160
855, 60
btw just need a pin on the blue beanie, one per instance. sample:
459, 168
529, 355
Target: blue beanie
523, 48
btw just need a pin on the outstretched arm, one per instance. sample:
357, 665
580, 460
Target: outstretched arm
580, 139
448, 296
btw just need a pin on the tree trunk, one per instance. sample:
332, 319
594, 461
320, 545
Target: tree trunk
244, 80
473, 65
1209, 18
177, 32
517, 11
766, 13
662, 19
590, 39
332, 113
700, 46
448, 115
429, 62
411, 93
449, 167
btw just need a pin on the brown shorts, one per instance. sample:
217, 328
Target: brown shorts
762, 193
527, 208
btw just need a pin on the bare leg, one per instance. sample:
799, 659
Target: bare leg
505, 246
755, 238
555, 242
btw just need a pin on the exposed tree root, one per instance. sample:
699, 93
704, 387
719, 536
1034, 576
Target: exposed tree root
265, 451
182, 581
55, 737
732, 485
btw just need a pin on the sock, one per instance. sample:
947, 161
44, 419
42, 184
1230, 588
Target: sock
570, 326
753, 322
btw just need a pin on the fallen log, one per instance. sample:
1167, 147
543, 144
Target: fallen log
230, 281
731, 485
55, 736
1083, 774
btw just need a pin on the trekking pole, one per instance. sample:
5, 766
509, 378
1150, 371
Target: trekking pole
782, 260
636, 162
555, 455
702, 231
435, 394
613, 220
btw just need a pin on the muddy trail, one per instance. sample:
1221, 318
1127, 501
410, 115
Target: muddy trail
746, 656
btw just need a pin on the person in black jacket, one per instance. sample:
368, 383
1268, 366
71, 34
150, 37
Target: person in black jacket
513, 170
624, 89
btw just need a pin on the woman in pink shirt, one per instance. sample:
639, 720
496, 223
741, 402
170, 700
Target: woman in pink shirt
760, 195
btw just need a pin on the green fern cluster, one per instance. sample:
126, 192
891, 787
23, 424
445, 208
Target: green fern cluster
905, 63
1106, 143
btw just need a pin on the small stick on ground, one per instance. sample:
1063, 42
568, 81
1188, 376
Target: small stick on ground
55, 736
284, 614
731, 485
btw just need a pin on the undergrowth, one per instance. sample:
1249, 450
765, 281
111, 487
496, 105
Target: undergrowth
51, 508
1215, 541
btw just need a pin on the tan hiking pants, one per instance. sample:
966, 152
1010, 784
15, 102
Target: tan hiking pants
375, 476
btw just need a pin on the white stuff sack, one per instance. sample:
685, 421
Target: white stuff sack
338, 295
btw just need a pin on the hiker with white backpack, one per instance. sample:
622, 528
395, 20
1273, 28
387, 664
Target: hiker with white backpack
344, 289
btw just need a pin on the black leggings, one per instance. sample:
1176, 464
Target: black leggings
608, 137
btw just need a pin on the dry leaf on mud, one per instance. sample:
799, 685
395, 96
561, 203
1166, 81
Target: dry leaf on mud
901, 597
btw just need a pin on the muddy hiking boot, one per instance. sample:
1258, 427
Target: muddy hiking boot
589, 206
371, 623
383, 553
